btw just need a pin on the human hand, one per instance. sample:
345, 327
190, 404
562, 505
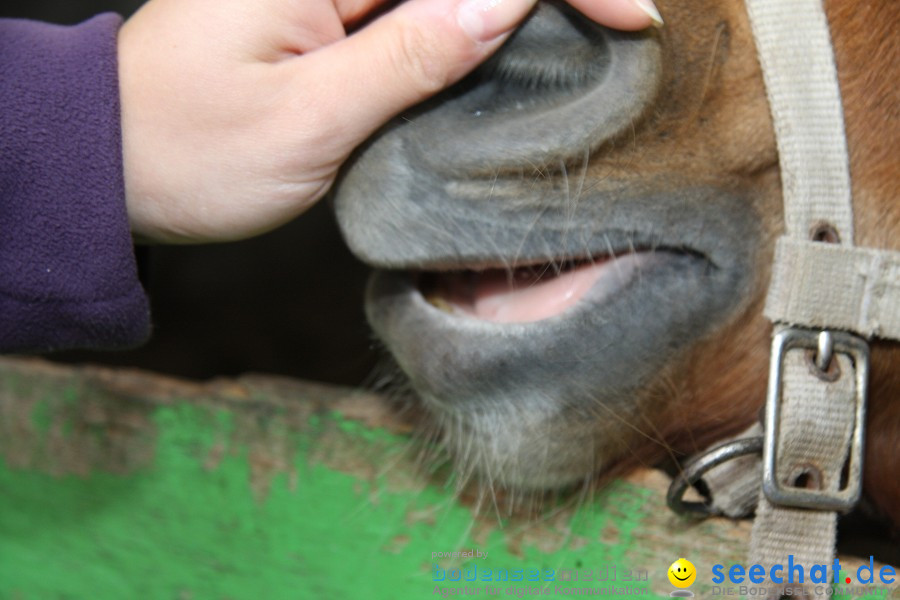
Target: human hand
237, 114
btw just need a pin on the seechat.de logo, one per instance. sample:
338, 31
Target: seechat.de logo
796, 573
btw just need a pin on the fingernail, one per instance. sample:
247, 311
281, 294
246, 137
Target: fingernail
650, 9
486, 20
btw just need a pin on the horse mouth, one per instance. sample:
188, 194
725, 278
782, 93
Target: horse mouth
464, 333
525, 362
531, 293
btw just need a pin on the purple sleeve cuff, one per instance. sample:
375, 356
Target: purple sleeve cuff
67, 270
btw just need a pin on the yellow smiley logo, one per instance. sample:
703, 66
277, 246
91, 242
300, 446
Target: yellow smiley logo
682, 573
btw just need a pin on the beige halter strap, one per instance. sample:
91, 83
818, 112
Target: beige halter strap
826, 297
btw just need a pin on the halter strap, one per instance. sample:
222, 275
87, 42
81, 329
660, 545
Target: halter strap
816, 284
815, 411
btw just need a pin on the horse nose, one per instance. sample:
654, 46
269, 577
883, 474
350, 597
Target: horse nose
562, 85
437, 185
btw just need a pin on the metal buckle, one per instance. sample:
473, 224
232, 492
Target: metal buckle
777, 493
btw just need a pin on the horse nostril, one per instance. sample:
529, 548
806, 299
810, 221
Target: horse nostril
555, 50
560, 87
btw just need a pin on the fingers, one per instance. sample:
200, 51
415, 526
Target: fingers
629, 15
402, 58
414, 51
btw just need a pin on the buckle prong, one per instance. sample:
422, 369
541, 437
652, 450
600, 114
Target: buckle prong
825, 350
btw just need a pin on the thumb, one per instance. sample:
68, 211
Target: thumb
405, 56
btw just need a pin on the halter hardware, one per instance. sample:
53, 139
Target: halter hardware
774, 484
696, 468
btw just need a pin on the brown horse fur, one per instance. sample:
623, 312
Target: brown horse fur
726, 381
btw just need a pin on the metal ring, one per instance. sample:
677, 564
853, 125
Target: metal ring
696, 468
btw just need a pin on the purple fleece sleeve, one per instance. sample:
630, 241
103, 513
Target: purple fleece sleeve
67, 270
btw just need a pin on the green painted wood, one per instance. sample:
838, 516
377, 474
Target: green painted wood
118, 485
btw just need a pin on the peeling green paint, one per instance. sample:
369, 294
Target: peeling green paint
215, 516
183, 530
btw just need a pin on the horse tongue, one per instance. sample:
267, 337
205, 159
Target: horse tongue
529, 296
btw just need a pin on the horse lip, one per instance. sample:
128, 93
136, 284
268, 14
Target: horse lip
612, 244
422, 228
